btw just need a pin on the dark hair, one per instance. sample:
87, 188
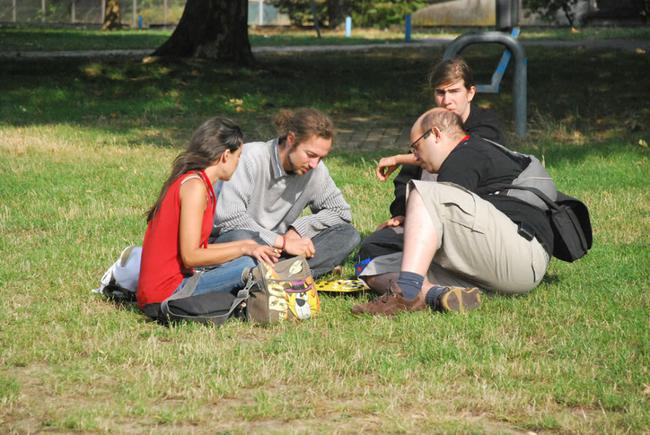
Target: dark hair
304, 123
449, 71
207, 144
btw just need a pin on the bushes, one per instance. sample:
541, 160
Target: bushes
365, 13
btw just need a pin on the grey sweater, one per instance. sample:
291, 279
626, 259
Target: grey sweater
263, 198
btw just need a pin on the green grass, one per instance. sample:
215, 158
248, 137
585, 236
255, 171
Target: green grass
23, 38
85, 145
45, 39
596, 33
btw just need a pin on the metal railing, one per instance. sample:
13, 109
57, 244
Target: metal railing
158, 13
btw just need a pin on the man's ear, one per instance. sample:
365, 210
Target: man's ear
470, 93
291, 139
436, 133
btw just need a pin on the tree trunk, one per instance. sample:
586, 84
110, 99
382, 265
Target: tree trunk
314, 13
568, 13
334, 13
211, 29
112, 15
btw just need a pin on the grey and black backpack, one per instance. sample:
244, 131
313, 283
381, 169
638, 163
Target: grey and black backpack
569, 217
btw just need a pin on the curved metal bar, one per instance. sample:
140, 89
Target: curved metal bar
521, 67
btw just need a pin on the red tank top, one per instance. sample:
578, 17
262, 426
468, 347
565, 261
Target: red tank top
161, 269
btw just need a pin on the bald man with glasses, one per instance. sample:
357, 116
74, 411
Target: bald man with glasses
453, 88
460, 236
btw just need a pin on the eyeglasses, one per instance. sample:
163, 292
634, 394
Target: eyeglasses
426, 134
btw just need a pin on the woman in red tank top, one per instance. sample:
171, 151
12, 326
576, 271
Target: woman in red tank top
180, 222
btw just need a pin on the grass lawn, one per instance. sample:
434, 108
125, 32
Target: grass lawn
44, 39
84, 147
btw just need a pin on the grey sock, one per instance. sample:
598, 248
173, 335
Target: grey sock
410, 283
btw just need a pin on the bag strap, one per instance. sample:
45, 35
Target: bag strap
541, 195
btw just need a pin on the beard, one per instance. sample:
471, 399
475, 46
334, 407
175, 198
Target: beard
296, 169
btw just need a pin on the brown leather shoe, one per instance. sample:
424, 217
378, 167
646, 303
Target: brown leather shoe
390, 304
459, 299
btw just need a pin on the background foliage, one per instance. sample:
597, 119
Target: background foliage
366, 13
548, 9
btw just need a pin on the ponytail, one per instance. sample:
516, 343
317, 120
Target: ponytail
304, 123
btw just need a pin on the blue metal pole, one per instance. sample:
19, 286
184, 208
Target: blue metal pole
407, 30
348, 26
139, 22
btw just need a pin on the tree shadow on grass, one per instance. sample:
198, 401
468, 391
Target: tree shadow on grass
160, 104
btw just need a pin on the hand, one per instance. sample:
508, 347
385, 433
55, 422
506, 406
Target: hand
292, 234
300, 246
385, 167
264, 253
395, 221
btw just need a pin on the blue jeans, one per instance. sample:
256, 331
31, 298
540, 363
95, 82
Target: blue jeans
225, 277
332, 245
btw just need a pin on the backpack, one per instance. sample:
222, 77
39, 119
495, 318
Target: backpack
211, 307
572, 237
569, 217
283, 291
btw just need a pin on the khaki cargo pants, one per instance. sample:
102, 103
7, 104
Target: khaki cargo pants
478, 245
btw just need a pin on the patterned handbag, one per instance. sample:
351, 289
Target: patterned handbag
283, 291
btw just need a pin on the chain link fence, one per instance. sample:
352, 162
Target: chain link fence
153, 13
